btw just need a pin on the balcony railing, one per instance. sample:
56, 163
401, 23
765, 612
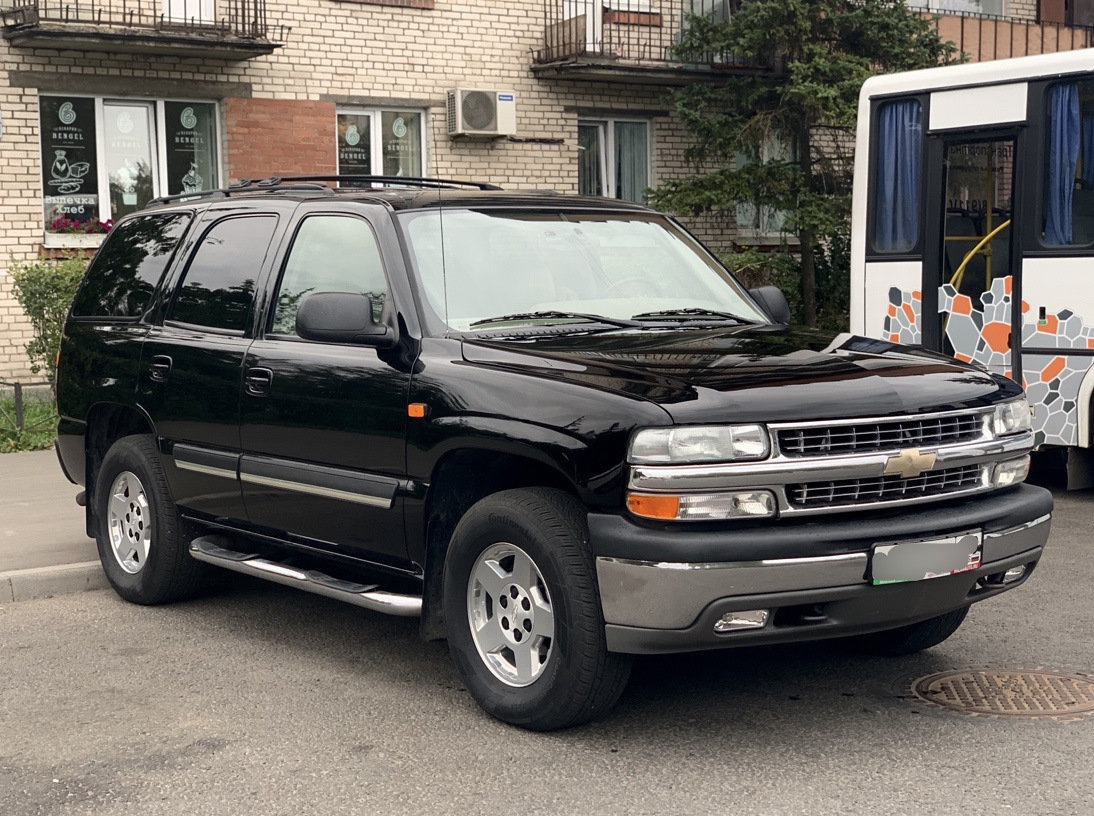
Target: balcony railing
989, 37
615, 40
231, 29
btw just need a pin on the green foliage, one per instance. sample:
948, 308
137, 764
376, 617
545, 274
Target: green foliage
782, 138
39, 427
45, 290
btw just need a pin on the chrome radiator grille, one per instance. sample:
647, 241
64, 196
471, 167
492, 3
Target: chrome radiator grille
880, 435
847, 492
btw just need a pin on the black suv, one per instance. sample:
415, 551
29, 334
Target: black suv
553, 427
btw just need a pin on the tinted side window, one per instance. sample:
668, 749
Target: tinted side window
330, 254
218, 287
899, 137
129, 266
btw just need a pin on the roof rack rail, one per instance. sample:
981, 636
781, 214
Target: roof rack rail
405, 181
245, 185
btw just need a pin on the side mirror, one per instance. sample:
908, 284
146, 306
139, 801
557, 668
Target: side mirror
341, 317
772, 301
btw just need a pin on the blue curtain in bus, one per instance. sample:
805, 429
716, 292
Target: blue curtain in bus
1063, 159
899, 160
1087, 141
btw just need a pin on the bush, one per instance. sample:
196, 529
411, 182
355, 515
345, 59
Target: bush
45, 290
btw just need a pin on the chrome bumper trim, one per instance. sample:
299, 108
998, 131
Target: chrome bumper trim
671, 595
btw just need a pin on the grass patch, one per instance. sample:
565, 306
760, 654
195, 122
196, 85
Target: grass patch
39, 423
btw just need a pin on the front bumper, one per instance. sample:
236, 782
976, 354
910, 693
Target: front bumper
663, 589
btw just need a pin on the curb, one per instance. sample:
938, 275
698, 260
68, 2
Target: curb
48, 582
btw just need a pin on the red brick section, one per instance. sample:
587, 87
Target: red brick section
414, 4
279, 137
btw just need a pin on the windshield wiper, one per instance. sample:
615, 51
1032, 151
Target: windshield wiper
549, 315
690, 314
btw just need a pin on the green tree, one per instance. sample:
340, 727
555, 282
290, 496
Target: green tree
782, 139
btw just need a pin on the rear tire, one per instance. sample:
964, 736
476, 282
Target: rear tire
522, 607
143, 553
909, 639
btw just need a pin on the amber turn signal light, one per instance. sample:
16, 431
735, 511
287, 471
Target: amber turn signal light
417, 410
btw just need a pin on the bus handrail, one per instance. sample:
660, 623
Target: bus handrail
955, 281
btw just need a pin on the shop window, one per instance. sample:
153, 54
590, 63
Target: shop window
381, 142
105, 158
613, 158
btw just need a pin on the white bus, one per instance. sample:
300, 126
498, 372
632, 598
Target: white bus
973, 227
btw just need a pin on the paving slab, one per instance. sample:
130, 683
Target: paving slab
40, 523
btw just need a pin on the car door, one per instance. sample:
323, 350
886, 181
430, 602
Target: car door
323, 424
191, 362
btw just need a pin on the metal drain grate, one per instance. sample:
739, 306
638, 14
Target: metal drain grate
1009, 693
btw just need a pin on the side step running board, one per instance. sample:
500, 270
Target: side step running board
212, 550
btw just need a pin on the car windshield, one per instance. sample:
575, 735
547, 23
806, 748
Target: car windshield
483, 270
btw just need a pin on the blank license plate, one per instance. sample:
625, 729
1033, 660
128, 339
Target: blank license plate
919, 560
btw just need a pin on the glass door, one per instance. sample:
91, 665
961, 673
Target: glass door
129, 157
974, 273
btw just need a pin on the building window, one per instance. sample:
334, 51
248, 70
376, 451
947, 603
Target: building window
613, 158
995, 8
189, 11
105, 158
381, 142
765, 222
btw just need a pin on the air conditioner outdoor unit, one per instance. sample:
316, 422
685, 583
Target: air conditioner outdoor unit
482, 113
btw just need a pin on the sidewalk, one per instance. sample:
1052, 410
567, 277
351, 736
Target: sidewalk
44, 550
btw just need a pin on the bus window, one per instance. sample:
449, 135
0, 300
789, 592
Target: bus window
899, 159
1069, 165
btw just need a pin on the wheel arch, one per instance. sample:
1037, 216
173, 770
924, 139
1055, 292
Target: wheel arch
460, 478
107, 422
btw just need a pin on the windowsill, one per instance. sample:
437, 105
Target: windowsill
73, 240
762, 240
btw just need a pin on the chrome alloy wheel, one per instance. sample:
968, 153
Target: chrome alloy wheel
509, 611
129, 522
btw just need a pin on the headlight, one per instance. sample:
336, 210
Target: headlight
1012, 417
701, 443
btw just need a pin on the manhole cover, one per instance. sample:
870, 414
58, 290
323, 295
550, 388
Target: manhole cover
1009, 693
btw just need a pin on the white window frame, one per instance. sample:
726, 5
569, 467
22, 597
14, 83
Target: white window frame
183, 11
159, 133
376, 135
606, 125
960, 6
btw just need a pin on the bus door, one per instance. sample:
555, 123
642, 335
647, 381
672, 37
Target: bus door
970, 263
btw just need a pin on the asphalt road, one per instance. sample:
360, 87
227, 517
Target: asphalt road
256, 699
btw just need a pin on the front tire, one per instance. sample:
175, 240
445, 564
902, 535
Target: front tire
137, 532
909, 639
522, 608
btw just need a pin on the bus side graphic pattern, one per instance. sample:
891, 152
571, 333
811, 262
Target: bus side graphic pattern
979, 333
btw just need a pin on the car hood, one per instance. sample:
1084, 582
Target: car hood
748, 374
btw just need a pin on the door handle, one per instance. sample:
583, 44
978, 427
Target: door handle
160, 369
257, 381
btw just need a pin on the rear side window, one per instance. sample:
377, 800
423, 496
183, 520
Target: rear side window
218, 287
129, 266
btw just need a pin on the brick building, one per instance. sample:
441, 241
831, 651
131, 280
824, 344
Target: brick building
105, 104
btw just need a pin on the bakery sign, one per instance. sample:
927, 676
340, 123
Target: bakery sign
70, 177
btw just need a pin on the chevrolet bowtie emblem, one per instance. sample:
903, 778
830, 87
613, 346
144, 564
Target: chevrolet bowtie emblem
909, 463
